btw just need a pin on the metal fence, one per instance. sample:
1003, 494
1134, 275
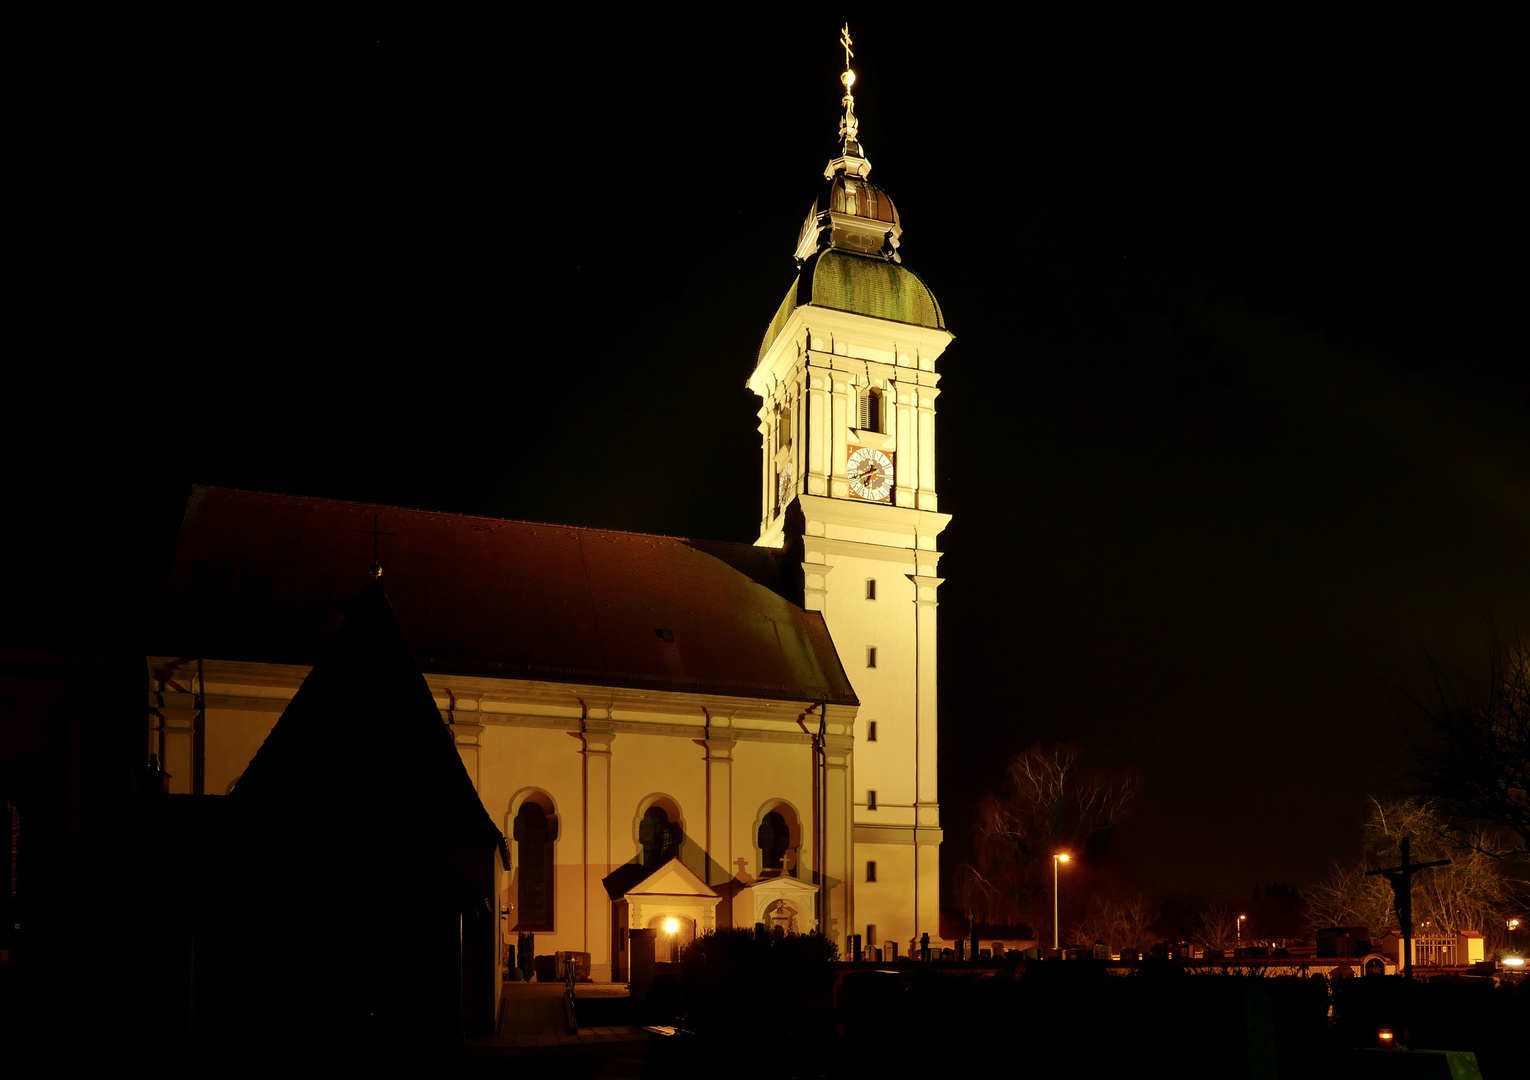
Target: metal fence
1434, 950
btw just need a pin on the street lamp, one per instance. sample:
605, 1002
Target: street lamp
1240, 928
1059, 858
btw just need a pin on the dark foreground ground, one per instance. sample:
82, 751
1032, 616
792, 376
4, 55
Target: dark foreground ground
1055, 1019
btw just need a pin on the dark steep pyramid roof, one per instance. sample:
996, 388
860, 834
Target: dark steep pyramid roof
400, 772
264, 578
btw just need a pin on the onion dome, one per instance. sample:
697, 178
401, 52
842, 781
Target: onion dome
847, 249
846, 281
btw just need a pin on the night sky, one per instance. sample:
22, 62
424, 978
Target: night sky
1235, 418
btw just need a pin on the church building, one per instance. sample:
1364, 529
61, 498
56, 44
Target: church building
671, 734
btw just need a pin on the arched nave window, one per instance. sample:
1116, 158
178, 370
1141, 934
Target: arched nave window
778, 837
660, 831
535, 832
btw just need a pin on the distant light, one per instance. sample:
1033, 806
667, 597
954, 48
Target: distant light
671, 925
1513, 961
1385, 1035
1063, 858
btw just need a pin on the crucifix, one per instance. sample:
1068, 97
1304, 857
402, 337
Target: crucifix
376, 564
1401, 879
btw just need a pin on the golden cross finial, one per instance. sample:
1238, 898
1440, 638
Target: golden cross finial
848, 125
850, 153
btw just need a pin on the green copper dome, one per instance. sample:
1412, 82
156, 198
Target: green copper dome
863, 284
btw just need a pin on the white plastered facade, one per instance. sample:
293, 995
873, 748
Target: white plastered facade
599, 757
812, 377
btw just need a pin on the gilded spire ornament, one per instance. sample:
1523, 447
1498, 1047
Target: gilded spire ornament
849, 126
851, 160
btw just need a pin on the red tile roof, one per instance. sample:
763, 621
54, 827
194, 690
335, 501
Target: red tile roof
266, 577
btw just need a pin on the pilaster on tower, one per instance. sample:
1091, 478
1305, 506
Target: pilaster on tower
847, 381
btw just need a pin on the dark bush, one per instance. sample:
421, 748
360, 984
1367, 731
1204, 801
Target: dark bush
738, 980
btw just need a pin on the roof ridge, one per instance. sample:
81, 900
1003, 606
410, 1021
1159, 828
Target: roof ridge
458, 514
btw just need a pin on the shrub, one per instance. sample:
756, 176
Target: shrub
736, 978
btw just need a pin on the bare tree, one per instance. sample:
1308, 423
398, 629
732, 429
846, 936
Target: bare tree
1050, 802
1217, 927
1475, 763
1346, 897
1472, 893
1118, 923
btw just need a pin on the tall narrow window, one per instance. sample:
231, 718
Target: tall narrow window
871, 657
871, 799
871, 588
871, 870
871, 731
871, 410
534, 868
784, 427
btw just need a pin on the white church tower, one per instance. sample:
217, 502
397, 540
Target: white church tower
847, 382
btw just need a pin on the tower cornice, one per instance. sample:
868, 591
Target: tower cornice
926, 525
910, 346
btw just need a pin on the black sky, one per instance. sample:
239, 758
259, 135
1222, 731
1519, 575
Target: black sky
1234, 419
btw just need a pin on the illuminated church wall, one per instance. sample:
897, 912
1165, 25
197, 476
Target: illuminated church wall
516, 747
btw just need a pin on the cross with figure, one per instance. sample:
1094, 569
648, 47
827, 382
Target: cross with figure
376, 563
1401, 879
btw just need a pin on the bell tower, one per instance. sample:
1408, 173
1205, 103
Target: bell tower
847, 383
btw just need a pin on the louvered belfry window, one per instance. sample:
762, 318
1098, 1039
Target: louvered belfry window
871, 410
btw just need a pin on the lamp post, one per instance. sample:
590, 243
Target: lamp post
1056, 939
1240, 928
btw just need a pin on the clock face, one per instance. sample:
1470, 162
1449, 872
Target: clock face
784, 485
870, 473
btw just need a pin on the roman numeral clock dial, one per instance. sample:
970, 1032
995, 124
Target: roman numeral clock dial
870, 473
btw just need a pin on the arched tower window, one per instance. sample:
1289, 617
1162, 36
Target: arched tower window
659, 837
534, 832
